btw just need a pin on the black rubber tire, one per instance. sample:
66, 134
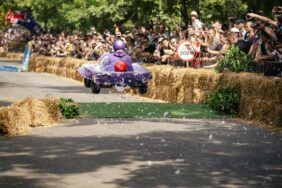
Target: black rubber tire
95, 88
143, 89
87, 83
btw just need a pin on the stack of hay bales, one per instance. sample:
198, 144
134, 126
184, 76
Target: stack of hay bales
15, 56
180, 85
65, 67
20, 116
3, 54
12, 55
261, 97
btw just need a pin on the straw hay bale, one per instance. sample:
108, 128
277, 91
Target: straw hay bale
261, 111
65, 72
53, 69
69, 63
14, 121
186, 85
59, 71
42, 112
78, 77
12, 55
52, 107
20, 116
66, 67
15, 56
70, 73
3, 54
254, 85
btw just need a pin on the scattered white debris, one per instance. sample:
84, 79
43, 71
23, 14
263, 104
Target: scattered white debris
149, 163
177, 172
245, 129
268, 178
180, 160
210, 137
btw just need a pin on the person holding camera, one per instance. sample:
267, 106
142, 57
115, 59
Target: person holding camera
275, 11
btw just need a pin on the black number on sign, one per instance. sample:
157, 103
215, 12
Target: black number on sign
185, 53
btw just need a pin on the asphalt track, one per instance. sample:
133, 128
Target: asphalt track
18, 85
132, 153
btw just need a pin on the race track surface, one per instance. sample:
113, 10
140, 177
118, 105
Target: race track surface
113, 153
18, 85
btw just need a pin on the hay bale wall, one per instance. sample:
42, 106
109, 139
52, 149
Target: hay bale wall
12, 55
261, 96
20, 116
65, 67
261, 99
180, 85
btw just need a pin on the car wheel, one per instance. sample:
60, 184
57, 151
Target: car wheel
143, 89
87, 83
95, 88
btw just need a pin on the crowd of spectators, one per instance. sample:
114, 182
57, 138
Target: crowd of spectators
14, 34
256, 35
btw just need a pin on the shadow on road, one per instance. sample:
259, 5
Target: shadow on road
5, 103
170, 159
78, 89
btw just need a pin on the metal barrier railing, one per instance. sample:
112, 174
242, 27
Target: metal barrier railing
269, 68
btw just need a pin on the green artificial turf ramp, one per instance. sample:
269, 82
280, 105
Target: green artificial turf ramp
148, 110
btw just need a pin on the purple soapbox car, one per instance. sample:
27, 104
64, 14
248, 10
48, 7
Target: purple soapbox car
103, 75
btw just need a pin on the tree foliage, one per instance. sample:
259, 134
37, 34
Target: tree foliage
235, 60
70, 15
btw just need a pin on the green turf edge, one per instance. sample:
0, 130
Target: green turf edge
148, 110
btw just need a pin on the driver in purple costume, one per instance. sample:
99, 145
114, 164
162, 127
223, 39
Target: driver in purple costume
118, 55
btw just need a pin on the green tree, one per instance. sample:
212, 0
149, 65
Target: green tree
221, 10
70, 15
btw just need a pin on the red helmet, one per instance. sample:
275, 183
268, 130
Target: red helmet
120, 66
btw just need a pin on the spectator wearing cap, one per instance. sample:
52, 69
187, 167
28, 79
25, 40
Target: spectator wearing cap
240, 24
243, 45
195, 21
236, 31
